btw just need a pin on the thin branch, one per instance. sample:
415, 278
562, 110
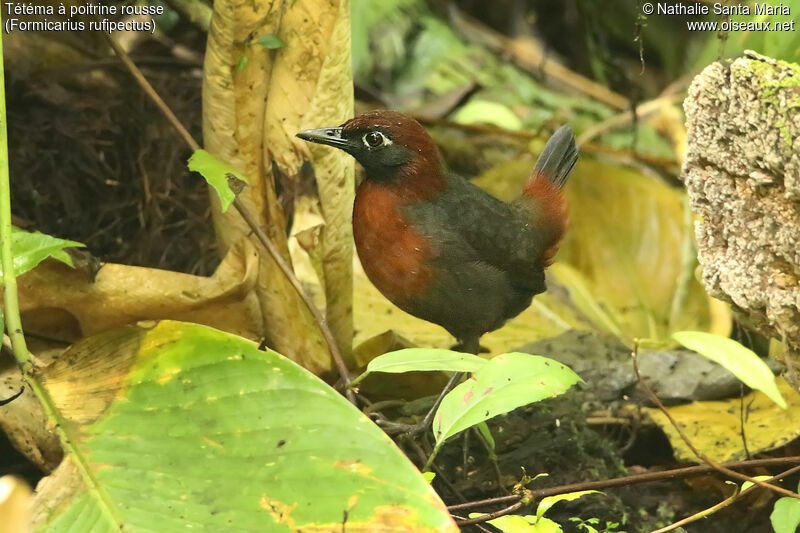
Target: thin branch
710, 462
532, 58
248, 218
702, 514
648, 477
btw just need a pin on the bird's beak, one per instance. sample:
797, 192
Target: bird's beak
329, 136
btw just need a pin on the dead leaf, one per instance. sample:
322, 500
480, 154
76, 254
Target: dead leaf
54, 297
715, 428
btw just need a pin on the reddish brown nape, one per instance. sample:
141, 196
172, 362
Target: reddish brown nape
393, 254
424, 175
551, 205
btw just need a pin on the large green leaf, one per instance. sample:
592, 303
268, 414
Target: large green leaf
743, 363
182, 426
31, 248
506, 382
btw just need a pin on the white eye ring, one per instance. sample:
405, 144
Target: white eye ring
374, 139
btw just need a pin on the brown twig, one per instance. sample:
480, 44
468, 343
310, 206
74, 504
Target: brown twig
724, 503
742, 420
710, 462
648, 477
532, 58
627, 117
248, 218
591, 148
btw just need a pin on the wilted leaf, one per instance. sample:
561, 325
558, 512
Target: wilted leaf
68, 304
154, 407
743, 363
29, 248
234, 130
217, 174
506, 382
715, 427
311, 87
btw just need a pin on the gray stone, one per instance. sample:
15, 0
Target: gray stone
606, 366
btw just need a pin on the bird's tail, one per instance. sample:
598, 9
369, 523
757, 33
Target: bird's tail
558, 157
544, 194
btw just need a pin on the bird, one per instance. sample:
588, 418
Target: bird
436, 245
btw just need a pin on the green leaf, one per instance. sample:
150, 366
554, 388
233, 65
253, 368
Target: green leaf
504, 383
226, 180
422, 359
743, 363
545, 525
747, 484
31, 248
522, 524
548, 502
180, 424
785, 516
486, 112
271, 41
241, 64
510, 523
429, 476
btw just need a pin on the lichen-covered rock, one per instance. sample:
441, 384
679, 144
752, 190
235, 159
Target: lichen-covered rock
742, 171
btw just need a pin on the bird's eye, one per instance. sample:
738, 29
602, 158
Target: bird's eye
374, 139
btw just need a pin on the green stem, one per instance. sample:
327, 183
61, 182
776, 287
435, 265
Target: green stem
434, 453
14, 321
10, 297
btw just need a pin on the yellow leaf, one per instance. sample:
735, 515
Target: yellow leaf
715, 428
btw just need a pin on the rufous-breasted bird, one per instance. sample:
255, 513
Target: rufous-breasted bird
436, 245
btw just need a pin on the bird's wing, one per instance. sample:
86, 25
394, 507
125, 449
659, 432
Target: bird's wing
471, 225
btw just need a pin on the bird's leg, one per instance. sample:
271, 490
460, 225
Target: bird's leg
468, 347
